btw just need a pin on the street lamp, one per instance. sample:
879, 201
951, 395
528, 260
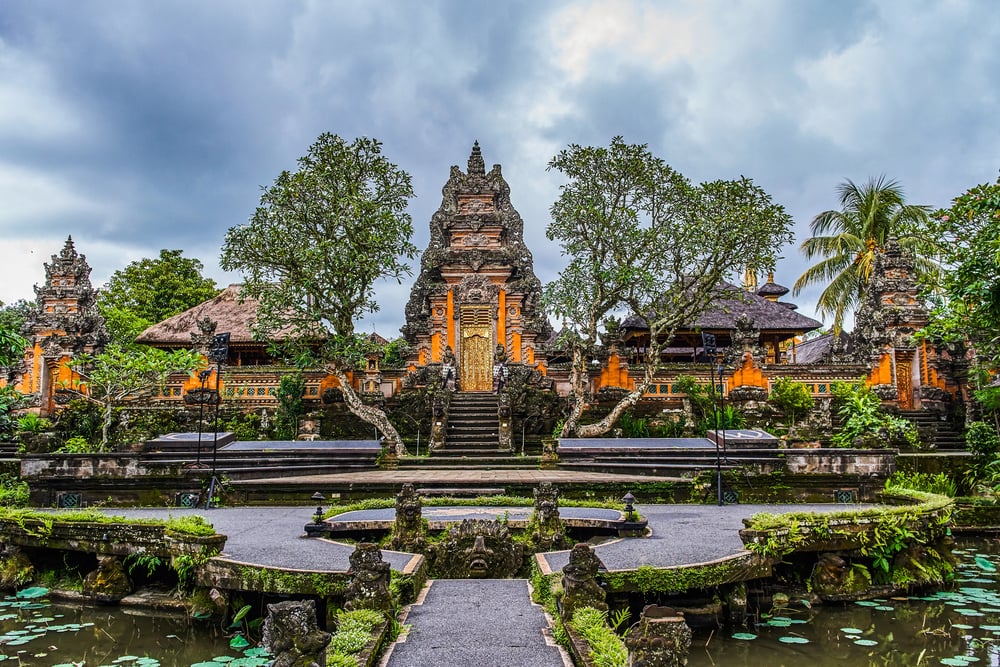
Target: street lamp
629, 501
318, 516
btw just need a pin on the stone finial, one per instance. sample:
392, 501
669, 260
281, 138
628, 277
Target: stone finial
69, 250
477, 167
292, 635
369, 587
660, 639
579, 582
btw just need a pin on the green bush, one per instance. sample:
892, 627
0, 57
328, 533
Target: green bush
32, 423
792, 398
13, 491
982, 440
865, 424
606, 648
77, 445
940, 483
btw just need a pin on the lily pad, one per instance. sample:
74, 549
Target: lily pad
985, 565
745, 636
866, 642
239, 641
32, 593
851, 631
793, 639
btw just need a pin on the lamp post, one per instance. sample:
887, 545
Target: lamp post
318, 516
711, 350
203, 376
629, 501
217, 352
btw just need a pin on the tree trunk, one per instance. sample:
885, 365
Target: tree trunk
106, 426
369, 413
601, 427
578, 380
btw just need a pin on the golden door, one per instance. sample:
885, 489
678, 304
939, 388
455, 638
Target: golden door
904, 381
475, 373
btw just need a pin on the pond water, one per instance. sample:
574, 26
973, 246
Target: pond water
960, 626
37, 631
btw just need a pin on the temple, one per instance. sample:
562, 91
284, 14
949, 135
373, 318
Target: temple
477, 288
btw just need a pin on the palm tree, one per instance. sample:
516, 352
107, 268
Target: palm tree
849, 239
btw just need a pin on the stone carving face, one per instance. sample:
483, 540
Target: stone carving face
408, 505
583, 564
477, 548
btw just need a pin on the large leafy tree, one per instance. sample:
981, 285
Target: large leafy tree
848, 240
320, 239
148, 291
968, 295
641, 238
121, 375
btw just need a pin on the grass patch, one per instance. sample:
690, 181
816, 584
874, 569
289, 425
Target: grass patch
479, 501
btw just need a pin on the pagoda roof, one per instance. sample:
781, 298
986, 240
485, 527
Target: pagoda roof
731, 303
227, 310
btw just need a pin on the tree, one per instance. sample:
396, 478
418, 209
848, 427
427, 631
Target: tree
792, 398
316, 245
641, 238
120, 375
849, 239
148, 291
967, 297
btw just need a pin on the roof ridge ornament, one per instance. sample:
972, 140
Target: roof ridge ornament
477, 167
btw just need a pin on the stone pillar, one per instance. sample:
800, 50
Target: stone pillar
369, 587
661, 638
579, 582
292, 635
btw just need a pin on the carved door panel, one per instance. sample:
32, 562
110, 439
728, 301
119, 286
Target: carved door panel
904, 381
476, 350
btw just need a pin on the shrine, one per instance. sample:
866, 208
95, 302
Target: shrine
477, 290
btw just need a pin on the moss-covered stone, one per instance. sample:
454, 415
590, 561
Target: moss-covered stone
109, 582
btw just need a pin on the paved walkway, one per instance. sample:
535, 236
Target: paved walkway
456, 474
480, 623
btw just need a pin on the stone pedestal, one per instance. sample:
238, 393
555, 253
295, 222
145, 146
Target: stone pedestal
660, 639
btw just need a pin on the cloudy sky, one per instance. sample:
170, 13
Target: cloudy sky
136, 126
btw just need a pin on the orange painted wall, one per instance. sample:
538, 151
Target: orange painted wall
748, 375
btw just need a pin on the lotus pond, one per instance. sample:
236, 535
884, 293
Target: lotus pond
37, 631
955, 627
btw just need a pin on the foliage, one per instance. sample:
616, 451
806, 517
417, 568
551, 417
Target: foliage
791, 398
395, 353
142, 561
291, 388
190, 524
479, 501
12, 347
983, 442
10, 400
13, 491
319, 240
76, 445
79, 418
848, 240
705, 404
939, 483
354, 633
148, 291
119, 375
606, 648
30, 422
865, 424
968, 307
641, 238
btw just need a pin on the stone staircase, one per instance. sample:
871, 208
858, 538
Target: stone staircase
942, 433
473, 438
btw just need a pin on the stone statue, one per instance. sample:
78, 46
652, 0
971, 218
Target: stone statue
292, 635
369, 587
661, 638
499, 369
579, 582
477, 549
448, 373
408, 529
545, 525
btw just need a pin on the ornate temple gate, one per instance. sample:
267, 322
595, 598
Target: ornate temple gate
904, 380
475, 372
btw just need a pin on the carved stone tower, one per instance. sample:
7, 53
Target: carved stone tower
477, 288
64, 322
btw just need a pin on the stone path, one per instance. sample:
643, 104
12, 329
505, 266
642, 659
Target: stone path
480, 623
456, 474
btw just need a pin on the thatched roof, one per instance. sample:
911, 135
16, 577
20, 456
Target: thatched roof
226, 310
732, 302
